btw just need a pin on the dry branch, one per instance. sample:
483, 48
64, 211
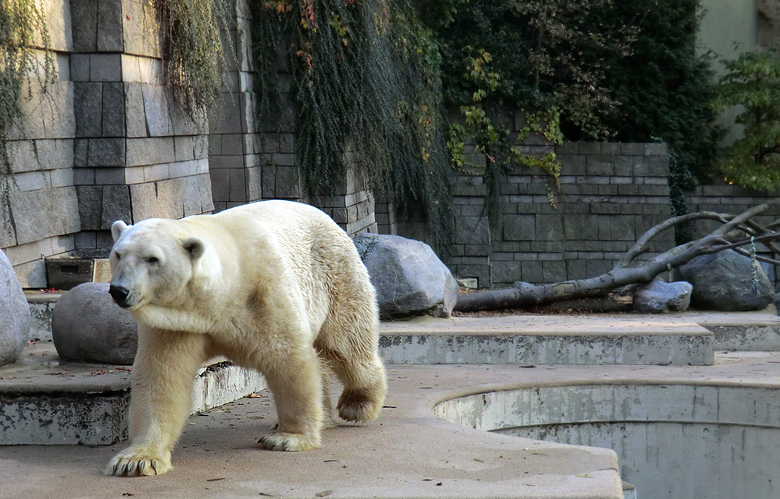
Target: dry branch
525, 295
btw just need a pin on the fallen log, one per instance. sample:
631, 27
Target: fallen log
623, 274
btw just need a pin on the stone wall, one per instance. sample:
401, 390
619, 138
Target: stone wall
111, 143
137, 155
43, 215
234, 144
610, 194
108, 142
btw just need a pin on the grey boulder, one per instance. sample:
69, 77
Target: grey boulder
14, 313
659, 297
724, 281
87, 326
408, 276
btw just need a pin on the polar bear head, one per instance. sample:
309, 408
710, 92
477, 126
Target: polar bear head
153, 262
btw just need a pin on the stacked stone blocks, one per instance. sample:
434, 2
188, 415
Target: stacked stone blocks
108, 142
234, 146
40, 214
610, 194
136, 154
351, 204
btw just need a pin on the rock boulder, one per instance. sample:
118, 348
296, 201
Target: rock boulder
408, 276
659, 297
724, 281
87, 326
14, 313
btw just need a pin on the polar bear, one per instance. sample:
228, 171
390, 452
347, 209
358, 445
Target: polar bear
275, 286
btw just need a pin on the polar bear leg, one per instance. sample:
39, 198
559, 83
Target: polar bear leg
162, 379
328, 421
365, 387
296, 384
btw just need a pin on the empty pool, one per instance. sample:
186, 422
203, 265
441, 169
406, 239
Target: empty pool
673, 440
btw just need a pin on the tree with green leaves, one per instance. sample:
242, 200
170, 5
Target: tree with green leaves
753, 81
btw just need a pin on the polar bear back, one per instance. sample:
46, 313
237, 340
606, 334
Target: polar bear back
292, 248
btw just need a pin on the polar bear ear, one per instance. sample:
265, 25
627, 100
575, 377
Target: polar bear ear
117, 228
195, 247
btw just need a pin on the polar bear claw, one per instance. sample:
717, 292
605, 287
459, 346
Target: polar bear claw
137, 463
290, 442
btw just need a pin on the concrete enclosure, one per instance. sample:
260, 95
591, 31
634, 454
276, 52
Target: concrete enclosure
109, 143
673, 441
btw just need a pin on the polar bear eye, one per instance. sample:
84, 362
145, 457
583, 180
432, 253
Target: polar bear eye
117, 255
152, 260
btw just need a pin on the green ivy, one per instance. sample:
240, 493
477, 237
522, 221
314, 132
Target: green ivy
543, 57
495, 142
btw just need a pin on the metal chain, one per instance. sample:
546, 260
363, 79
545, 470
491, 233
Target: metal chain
754, 264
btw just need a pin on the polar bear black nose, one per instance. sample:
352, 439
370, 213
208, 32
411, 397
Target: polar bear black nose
118, 293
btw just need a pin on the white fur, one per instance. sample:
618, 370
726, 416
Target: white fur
275, 286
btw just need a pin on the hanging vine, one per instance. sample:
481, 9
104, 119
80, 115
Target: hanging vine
193, 52
365, 75
22, 31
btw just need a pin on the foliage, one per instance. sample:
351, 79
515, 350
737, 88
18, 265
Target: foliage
365, 79
665, 90
753, 81
544, 57
621, 70
193, 55
22, 27
547, 54
495, 143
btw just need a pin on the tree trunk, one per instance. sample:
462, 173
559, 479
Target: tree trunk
527, 295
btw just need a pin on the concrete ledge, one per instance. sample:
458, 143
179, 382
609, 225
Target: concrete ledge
547, 339
45, 401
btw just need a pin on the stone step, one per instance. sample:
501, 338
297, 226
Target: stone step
44, 401
547, 339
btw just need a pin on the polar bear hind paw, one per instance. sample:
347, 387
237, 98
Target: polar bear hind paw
358, 407
136, 463
291, 442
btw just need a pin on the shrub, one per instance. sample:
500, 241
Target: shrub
665, 90
753, 81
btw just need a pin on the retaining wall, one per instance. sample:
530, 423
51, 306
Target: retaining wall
110, 143
610, 194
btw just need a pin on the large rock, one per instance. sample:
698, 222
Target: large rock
659, 297
408, 276
724, 281
14, 313
87, 326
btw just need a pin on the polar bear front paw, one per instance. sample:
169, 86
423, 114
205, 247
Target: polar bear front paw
289, 442
358, 407
138, 462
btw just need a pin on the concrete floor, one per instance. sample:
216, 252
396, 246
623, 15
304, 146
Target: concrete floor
407, 452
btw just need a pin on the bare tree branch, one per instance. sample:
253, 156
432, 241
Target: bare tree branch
524, 294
